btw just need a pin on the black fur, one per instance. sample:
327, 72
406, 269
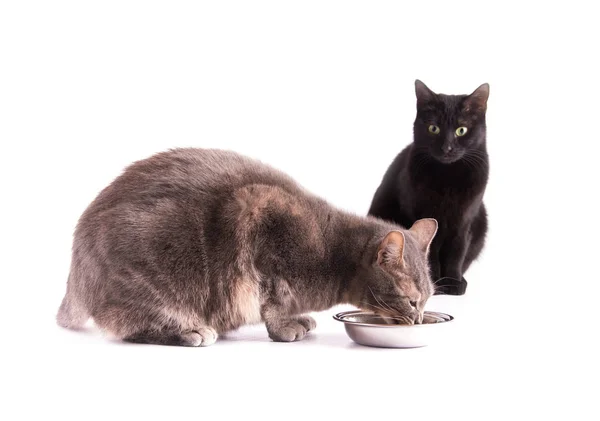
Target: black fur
442, 176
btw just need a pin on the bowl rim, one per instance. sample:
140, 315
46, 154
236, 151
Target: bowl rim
340, 318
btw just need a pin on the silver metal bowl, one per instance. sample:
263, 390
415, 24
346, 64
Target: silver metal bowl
371, 329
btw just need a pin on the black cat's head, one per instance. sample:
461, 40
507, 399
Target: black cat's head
449, 126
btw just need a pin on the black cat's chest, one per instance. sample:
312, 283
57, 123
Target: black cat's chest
447, 190
449, 179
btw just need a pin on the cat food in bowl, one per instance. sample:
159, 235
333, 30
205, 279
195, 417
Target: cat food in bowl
370, 329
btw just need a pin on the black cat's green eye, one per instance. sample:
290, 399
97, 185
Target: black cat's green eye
434, 129
461, 131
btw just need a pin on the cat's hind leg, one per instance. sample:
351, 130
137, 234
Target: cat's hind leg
202, 336
153, 323
71, 313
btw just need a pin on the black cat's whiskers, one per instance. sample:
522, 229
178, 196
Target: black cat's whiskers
475, 160
479, 155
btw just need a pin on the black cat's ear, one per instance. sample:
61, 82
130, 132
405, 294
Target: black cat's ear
391, 249
424, 231
424, 94
477, 101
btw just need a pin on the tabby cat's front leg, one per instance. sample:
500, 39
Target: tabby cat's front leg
282, 326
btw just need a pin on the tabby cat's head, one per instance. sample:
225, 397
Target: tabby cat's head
398, 283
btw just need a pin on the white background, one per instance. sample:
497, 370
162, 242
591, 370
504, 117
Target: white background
323, 90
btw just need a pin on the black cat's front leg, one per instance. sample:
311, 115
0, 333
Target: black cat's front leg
434, 256
284, 327
444, 285
452, 256
450, 286
434, 263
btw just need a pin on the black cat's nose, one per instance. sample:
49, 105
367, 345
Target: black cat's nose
447, 148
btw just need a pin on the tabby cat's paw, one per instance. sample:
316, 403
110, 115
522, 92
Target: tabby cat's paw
203, 336
287, 331
308, 322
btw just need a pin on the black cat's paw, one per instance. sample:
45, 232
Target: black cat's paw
450, 286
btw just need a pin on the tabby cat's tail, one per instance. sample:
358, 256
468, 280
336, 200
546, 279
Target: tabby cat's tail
71, 314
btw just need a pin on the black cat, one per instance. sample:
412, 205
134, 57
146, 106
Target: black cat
442, 175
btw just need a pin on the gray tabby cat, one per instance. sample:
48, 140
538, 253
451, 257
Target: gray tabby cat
192, 243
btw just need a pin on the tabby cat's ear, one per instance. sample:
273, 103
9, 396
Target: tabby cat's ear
424, 231
477, 101
391, 249
424, 94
